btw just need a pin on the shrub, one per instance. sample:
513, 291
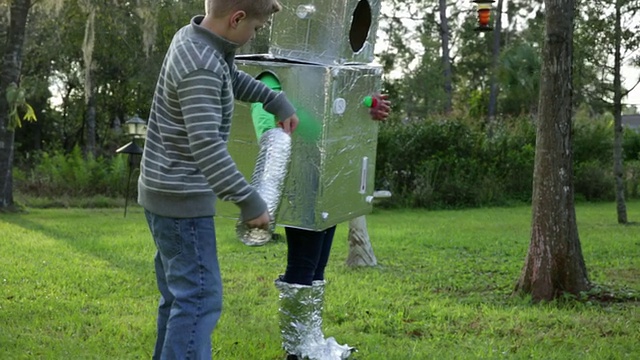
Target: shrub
434, 163
632, 179
451, 163
631, 145
437, 163
592, 182
73, 175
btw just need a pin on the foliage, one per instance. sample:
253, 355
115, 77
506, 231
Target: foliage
418, 158
72, 175
434, 163
131, 38
472, 68
631, 145
593, 138
407, 24
519, 76
126, 58
511, 151
79, 284
451, 163
633, 178
478, 103
595, 45
17, 101
592, 182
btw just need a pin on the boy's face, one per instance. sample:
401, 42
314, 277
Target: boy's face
244, 28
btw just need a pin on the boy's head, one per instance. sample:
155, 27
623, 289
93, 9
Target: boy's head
238, 20
253, 8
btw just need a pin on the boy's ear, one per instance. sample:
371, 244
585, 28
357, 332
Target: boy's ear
236, 17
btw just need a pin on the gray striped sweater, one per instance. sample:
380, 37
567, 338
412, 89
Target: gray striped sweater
185, 164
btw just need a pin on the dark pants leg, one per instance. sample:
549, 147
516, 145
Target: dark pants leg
308, 254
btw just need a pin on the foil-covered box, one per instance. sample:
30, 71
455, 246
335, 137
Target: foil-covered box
327, 32
333, 151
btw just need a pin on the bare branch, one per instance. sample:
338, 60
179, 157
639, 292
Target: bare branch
625, 93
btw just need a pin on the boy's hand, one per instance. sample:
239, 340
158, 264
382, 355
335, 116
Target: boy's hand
290, 124
381, 111
261, 222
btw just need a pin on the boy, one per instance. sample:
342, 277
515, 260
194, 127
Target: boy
186, 165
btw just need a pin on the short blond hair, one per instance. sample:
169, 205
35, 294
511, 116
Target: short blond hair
260, 9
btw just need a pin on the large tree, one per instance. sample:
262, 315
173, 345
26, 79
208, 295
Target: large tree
554, 264
10, 74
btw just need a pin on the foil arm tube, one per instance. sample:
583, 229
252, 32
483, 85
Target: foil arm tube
268, 179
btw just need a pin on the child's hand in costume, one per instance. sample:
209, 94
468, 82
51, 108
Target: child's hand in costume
382, 107
290, 124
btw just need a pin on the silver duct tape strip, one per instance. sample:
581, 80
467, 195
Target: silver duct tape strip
268, 179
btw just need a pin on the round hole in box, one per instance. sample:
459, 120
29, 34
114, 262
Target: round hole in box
360, 25
270, 79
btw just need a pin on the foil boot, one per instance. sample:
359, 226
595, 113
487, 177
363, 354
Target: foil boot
301, 323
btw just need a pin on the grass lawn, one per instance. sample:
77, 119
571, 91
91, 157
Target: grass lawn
79, 284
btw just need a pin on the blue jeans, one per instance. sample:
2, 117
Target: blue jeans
307, 254
188, 278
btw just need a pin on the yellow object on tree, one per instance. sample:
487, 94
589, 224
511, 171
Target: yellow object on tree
17, 101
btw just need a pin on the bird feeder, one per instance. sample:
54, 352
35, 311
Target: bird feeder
484, 15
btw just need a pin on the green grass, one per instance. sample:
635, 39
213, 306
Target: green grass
79, 284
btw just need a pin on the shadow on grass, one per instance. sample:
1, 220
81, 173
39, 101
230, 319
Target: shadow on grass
121, 259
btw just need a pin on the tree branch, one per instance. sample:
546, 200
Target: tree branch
625, 93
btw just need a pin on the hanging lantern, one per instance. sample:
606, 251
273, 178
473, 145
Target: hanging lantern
136, 127
484, 14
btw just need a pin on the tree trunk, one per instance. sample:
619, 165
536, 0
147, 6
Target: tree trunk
554, 264
360, 250
618, 167
446, 59
88, 46
495, 56
10, 73
90, 118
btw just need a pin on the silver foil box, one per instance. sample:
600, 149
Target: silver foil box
328, 32
333, 151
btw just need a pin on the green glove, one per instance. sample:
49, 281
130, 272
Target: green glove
263, 120
309, 128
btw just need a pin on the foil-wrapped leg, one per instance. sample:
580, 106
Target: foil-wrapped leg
268, 179
331, 347
301, 323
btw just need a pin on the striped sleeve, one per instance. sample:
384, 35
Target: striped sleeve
201, 102
248, 89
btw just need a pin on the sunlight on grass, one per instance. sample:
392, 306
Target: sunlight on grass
79, 284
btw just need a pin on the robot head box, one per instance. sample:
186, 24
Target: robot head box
333, 150
320, 31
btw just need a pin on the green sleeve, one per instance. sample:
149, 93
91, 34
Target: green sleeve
262, 119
